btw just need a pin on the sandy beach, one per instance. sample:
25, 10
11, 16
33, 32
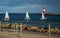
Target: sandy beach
26, 34
11, 33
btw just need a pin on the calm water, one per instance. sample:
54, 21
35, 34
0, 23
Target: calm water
33, 17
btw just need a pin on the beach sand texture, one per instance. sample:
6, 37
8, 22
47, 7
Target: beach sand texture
24, 35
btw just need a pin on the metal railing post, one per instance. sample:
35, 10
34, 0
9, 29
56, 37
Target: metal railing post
49, 31
21, 30
0, 25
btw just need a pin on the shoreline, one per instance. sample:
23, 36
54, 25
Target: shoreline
31, 32
29, 28
50, 13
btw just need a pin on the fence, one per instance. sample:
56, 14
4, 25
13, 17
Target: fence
18, 25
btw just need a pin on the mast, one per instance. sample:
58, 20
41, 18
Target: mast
6, 16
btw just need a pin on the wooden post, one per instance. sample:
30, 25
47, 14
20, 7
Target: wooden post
21, 30
49, 30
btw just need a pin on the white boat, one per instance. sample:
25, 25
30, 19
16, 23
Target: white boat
43, 16
27, 16
6, 16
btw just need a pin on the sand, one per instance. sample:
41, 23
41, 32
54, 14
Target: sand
26, 34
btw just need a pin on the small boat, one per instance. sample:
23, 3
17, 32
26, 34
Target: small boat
43, 14
6, 16
27, 16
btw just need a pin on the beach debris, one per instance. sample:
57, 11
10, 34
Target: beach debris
29, 28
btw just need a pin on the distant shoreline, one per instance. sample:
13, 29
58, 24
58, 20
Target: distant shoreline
36, 13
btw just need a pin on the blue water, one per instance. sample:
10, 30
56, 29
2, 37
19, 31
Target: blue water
34, 17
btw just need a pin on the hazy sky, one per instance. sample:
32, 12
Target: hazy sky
33, 6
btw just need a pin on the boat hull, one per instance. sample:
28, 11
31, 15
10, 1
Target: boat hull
43, 18
27, 18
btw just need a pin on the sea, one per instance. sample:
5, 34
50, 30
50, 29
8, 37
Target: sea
34, 17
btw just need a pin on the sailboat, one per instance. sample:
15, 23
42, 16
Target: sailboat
43, 16
27, 16
6, 16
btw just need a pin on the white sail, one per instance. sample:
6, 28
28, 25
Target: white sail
43, 16
6, 16
27, 16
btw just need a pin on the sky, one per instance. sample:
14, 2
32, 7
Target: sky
32, 6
